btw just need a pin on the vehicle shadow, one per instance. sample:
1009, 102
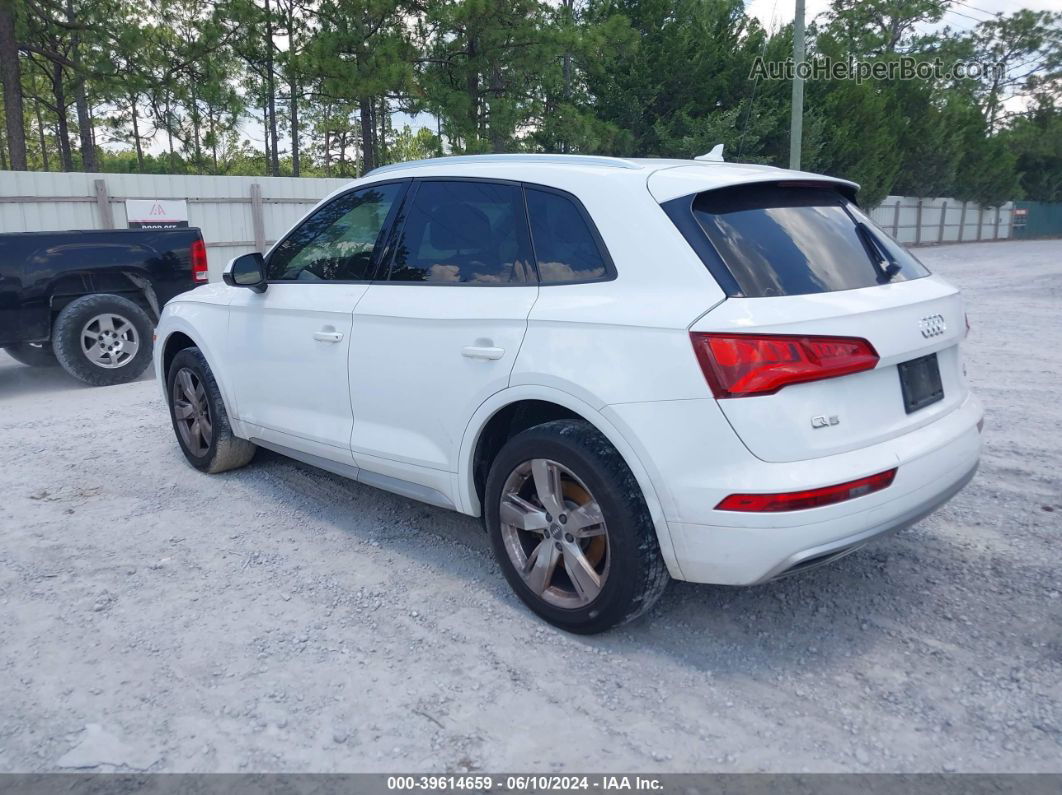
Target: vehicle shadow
814, 620
18, 380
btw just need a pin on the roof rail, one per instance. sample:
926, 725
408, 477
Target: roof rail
574, 160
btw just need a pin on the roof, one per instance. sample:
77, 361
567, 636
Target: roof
666, 178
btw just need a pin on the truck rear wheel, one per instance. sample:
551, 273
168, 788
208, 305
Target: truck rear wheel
103, 339
34, 354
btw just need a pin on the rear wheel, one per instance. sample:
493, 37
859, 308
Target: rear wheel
199, 417
34, 354
103, 339
571, 530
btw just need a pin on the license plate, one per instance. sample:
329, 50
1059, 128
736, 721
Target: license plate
920, 382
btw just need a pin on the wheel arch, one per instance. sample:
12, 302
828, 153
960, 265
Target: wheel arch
544, 404
175, 334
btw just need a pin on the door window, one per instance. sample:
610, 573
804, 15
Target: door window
339, 242
566, 249
459, 232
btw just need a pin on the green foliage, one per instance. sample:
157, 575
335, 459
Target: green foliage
413, 145
184, 86
1035, 141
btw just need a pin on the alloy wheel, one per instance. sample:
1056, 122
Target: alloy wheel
554, 533
109, 341
191, 411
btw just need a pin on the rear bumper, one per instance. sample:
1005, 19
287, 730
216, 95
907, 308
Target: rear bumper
734, 548
834, 550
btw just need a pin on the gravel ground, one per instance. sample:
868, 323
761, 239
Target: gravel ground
281, 618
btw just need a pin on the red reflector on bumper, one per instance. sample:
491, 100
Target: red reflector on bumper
812, 498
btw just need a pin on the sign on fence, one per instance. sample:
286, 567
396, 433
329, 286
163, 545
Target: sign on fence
156, 213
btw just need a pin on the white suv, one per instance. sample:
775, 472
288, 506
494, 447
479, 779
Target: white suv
632, 369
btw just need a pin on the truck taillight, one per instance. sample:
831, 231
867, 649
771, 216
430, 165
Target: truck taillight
199, 262
811, 498
741, 365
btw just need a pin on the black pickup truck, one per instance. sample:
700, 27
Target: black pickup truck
89, 300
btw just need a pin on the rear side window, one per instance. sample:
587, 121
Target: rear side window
566, 249
458, 232
786, 240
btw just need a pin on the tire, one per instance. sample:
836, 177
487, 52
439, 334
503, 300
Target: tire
576, 461
33, 354
103, 339
191, 388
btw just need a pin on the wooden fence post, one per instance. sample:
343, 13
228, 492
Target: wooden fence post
918, 223
943, 215
962, 221
995, 229
257, 217
896, 220
980, 221
103, 205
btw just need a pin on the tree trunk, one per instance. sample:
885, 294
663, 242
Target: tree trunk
265, 137
196, 125
327, 150
497, 88
293, 90
368, 151
136, 135
213, 138
41, 136
381, 141
271, 91
293, 87
84, 123
569, 9
11, 77
62, 126
169, 129
472, 89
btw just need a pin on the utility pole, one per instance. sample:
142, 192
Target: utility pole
796, 122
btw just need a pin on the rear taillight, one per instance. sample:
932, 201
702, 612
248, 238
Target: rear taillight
812, 498
199, 263
740, 365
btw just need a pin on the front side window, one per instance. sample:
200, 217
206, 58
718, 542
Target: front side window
566, 249
796, 240
458, 232
337, 243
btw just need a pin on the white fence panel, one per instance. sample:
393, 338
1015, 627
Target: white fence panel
923, 221
222, 207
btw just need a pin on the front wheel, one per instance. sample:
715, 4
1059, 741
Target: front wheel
199, 417
571, 530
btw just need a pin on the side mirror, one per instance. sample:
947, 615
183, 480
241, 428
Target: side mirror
247, 271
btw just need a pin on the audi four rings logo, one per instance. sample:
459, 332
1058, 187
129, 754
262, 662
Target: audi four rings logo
932, 326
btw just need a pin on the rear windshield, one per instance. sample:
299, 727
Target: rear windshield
790, 240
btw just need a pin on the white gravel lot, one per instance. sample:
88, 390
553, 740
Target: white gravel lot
281, 618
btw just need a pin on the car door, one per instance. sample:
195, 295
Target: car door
287, 347
439, 330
